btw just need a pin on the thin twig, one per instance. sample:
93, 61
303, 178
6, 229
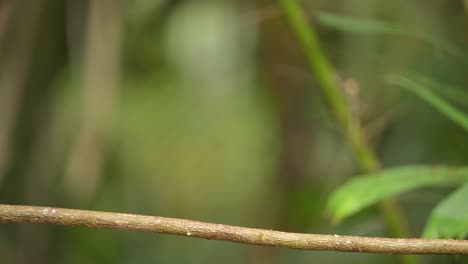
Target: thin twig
120, 221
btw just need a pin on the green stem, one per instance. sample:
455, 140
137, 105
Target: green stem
323, 72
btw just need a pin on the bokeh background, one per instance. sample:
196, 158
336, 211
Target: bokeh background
206, 110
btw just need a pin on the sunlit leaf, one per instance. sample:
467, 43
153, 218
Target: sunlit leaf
450, 218
366, 190
435, 101
373, 26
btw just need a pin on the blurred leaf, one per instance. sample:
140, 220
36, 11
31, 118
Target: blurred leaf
364, 191
359, 25
451, 92
450, 218
442, 106
373, 26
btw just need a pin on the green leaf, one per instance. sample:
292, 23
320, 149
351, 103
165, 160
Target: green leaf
358, 25
451, 92
435, 101
373, 26
364, 191
450, 218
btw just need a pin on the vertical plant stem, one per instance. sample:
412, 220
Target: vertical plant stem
320, 67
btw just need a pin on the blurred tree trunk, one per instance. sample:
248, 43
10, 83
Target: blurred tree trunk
33, 52
289, 87
19, 21
101, 75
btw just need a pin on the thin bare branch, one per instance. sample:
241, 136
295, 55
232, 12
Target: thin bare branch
156, 224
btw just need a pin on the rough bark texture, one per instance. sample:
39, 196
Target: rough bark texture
95, 219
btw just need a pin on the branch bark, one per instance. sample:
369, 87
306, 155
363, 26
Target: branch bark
156, 224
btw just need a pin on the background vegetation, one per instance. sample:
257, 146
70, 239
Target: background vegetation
207, 110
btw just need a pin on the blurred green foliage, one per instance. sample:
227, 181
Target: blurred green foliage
205, 110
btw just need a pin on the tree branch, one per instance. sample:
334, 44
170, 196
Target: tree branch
95, 219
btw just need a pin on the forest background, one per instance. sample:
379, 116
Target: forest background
207, 110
